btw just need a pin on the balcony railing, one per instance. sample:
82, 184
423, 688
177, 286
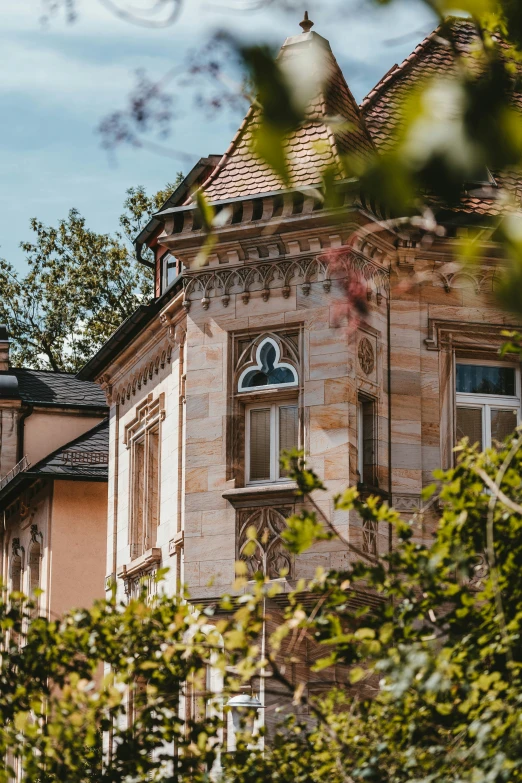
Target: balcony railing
20, 467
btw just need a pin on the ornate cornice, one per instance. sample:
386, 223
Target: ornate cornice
465, 335
144, 372
280, 273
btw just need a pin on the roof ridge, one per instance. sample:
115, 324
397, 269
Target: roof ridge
226, 155
50, 372
398, 69
358, 112
331, 97
103, 423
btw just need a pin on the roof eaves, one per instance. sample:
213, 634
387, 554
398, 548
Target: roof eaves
38, 469
149, 230
126, 332
233, 144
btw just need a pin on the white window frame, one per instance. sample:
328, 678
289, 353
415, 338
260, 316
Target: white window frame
165, 285
487, 402
275, 469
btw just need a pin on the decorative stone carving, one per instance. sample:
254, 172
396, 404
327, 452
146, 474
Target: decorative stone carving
407, 503
143, 374
288, 351
366, 356
279, 273
269, 555
369, 531
465, 335
148, 413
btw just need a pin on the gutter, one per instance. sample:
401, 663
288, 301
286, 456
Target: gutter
183, 188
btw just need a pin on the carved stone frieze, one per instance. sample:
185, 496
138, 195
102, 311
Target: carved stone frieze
481, 280
265, 552
141, 376
281, 273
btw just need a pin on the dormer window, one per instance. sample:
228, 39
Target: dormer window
169, 270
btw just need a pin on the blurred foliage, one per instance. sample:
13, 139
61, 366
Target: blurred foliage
428, 659
80, 286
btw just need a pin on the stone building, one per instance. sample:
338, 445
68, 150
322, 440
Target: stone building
261, 348
53, 485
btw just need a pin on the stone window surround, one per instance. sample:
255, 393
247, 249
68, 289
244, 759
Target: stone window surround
239, 401
150, 414
461, 340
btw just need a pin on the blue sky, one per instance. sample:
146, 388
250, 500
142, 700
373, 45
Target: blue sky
59, 80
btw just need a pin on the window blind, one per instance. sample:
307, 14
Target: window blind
260, 444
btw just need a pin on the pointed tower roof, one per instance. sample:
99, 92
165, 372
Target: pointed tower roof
334, 128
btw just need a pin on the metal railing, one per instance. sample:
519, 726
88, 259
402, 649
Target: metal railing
18, 468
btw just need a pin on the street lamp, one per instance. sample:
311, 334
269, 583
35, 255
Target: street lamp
244, 709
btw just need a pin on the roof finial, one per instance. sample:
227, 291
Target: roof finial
306, 24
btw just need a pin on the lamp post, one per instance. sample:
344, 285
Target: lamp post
244, 709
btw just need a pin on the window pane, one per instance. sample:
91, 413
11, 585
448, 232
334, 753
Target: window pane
503, 423
137, 543
169, 270
153, 489
481, 379
288, 430
260, 444
469, 423
367, 442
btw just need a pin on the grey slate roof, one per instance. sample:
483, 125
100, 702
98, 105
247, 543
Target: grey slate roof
86, 457
42, 387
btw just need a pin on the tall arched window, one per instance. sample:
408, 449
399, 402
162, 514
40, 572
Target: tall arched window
271, 426
16, 574
34, 573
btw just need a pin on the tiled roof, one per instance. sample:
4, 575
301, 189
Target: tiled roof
312, 148
432, 57
41, 387
86, 457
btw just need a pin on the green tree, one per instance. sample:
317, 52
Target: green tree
430, 651
79, 288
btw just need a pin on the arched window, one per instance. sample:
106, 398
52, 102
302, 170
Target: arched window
270, 371
16, 574
34, 574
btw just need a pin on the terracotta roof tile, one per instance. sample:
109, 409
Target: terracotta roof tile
382, 106
313, 147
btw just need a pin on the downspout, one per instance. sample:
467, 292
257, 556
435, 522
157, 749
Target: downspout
388, 329
26, 412
115, 492
181, 448
114, 539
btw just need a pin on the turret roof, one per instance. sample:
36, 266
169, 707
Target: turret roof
318, 144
